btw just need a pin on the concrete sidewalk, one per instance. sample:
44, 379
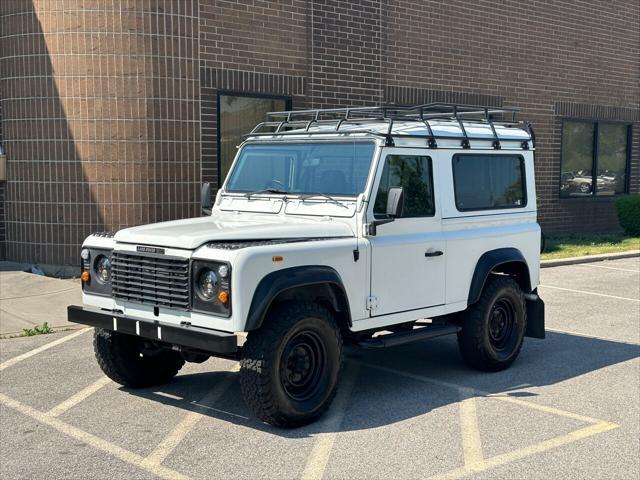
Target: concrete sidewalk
27, 300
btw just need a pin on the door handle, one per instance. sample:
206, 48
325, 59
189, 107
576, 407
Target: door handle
437, 253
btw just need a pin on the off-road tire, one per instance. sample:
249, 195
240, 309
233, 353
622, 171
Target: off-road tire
264, 367
119, 356
478, 346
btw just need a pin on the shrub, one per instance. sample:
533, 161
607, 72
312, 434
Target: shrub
629, 213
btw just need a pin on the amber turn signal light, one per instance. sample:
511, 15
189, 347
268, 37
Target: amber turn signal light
85, 277
223, 297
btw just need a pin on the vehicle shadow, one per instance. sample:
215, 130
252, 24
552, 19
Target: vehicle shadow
401, 383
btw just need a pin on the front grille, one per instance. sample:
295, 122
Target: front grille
152, 280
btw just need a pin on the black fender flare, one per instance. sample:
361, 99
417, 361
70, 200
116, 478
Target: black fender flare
274, 283
492, 260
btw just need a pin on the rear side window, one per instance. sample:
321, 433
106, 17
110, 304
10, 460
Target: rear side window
489, 182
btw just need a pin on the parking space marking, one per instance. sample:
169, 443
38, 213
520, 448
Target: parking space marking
75, 399
597, 426
46, 346
188, 422
471, 443
546, 409
319, 456
503, 459
608, 268
90, 439
591, 293
578, 334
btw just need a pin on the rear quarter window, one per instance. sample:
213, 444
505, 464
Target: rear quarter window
489, 182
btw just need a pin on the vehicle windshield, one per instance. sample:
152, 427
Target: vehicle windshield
339, 168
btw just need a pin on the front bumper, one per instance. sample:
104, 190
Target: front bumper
212, 341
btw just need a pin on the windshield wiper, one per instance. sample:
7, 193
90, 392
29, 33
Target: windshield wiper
320, 194
266, 190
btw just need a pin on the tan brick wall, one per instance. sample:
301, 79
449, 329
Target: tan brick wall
101, 119
110, 115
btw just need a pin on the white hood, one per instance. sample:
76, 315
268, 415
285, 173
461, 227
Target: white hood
194, 232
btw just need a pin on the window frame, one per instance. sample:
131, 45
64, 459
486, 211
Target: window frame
523, 173
433, 193
232, 93
594, 157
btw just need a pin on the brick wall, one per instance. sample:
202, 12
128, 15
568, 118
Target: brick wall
3, 230
101, 119
511, 53
110, 107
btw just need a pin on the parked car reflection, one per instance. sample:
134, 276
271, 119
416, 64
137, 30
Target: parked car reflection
580, 183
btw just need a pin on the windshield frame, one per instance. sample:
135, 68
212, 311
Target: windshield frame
349, 197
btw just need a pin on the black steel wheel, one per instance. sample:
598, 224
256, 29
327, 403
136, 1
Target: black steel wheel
502, 321
493, 328
290, 366
301, 366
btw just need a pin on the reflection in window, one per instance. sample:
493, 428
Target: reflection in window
594, 158
612, 158
238, 115
413, 174
339, 168
577, 158
486, 182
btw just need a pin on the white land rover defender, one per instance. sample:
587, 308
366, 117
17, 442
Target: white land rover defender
371, 227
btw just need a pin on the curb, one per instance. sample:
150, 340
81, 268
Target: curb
12, 335
588, 259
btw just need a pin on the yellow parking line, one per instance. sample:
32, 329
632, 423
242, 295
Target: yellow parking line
521, 453
584, 292
608, 268
466, 391
78, 397
96, 442
471, 443
578, 334
188, 422
47, 346
546, 409
323, 444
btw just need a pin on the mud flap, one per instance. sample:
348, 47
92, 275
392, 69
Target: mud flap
535, 317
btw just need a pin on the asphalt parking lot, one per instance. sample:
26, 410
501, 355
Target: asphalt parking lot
568, 408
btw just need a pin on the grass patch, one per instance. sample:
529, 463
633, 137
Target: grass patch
37, 330
577, 245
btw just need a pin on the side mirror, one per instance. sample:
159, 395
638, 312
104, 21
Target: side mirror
205, 198
395, 207
395, 202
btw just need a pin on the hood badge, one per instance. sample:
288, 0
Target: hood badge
150, 250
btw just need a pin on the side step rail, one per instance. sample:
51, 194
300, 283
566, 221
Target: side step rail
400, 338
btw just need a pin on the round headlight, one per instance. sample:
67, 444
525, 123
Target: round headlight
207, 284
223, 271
103, 269
85, 254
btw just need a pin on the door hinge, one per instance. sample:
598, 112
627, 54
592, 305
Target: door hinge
372, 303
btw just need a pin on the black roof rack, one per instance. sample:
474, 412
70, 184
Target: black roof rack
291, 121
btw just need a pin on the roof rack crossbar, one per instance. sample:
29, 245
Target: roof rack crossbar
395, 111
336, 118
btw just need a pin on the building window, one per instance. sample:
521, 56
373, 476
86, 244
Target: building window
238, 113
489, 182
595, 158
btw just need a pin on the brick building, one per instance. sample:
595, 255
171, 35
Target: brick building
112, 112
